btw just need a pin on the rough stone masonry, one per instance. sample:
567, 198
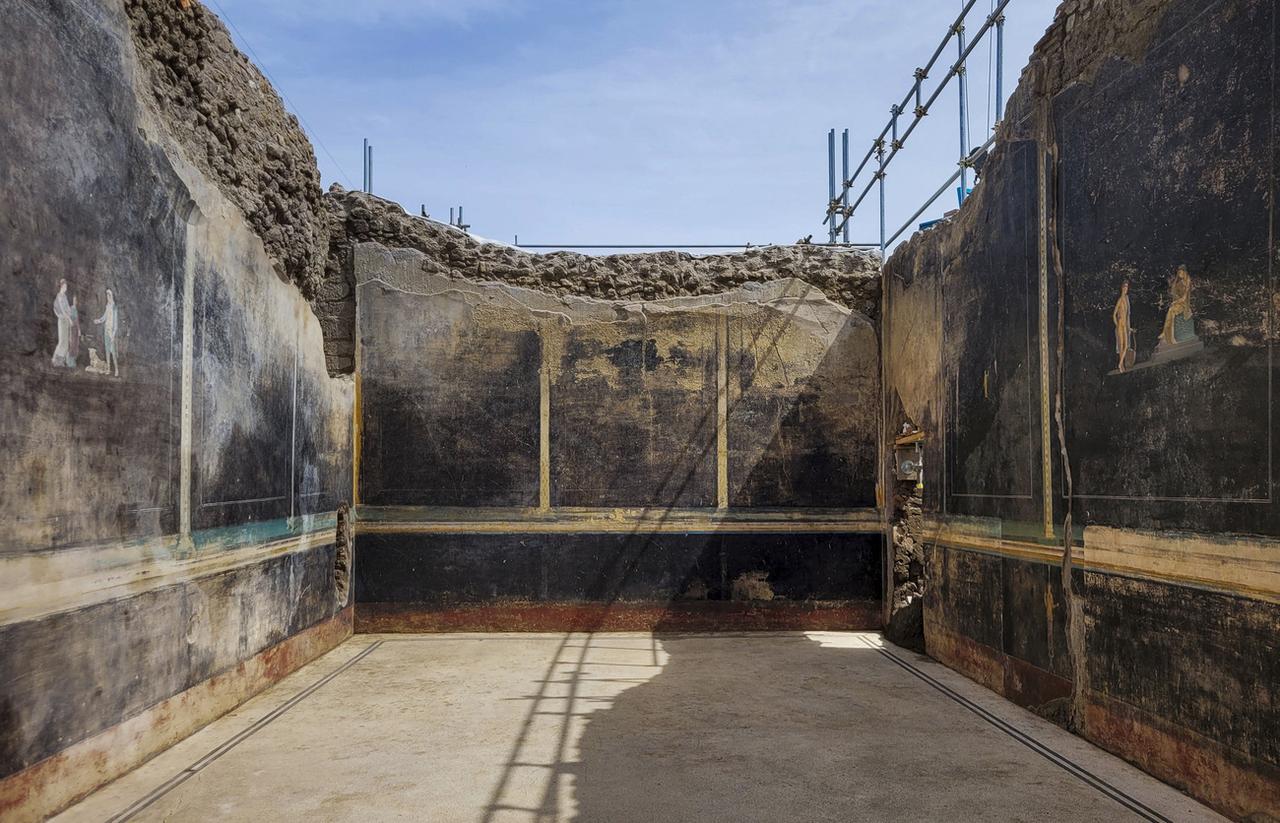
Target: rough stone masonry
234, 126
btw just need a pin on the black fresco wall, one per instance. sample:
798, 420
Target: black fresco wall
90, 455
1164, 164
244, 395
802, 405
459, 379
1162, 312
91, 414
449, 402
452, 402
68, 676
468, 569
991, 355
633, 414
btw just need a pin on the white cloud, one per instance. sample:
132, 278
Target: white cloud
674, 123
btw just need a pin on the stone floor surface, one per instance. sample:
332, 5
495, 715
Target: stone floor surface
631, 727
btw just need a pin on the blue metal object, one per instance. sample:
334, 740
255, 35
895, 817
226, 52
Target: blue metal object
880, 152
831, 183
1000, 68
844, 175
963, 83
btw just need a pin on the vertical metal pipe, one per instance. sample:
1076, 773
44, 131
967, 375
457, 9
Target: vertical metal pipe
364, 163
964, 117
844, 189
831, 183
882, 215
451, 223
460, 220
1000, 68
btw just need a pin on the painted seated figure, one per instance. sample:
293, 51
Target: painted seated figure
1178, 337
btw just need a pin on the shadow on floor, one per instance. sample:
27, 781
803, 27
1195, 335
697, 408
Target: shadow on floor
770, 727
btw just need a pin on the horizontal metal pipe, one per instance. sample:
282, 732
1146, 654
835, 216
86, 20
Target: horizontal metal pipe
668, 246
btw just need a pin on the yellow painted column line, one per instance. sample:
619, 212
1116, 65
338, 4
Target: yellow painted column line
357, 410
544, 428
1046, 448
722, 412
357, 437
186, 436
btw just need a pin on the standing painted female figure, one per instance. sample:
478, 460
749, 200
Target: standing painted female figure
110, 322
62, 311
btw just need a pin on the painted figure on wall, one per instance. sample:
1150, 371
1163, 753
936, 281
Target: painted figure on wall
73, 343
62, 311
1179, 327
1124, 330
1178, 337
110, 322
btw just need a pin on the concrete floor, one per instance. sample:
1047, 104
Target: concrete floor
632, 727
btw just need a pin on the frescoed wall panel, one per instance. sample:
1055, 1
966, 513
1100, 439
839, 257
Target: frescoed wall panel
633, 412
322, 445
990, 344
90, 289
1171, 305
244, 392
803, 382
450, 396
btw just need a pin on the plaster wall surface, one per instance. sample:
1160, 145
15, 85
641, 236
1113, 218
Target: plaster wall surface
520, 446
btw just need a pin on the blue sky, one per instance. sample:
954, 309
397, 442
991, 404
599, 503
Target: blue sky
621, 121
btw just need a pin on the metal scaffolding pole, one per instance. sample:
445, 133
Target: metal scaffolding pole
880, 177
1000, 68
831, 181
963, 84
364, 162
844, 175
